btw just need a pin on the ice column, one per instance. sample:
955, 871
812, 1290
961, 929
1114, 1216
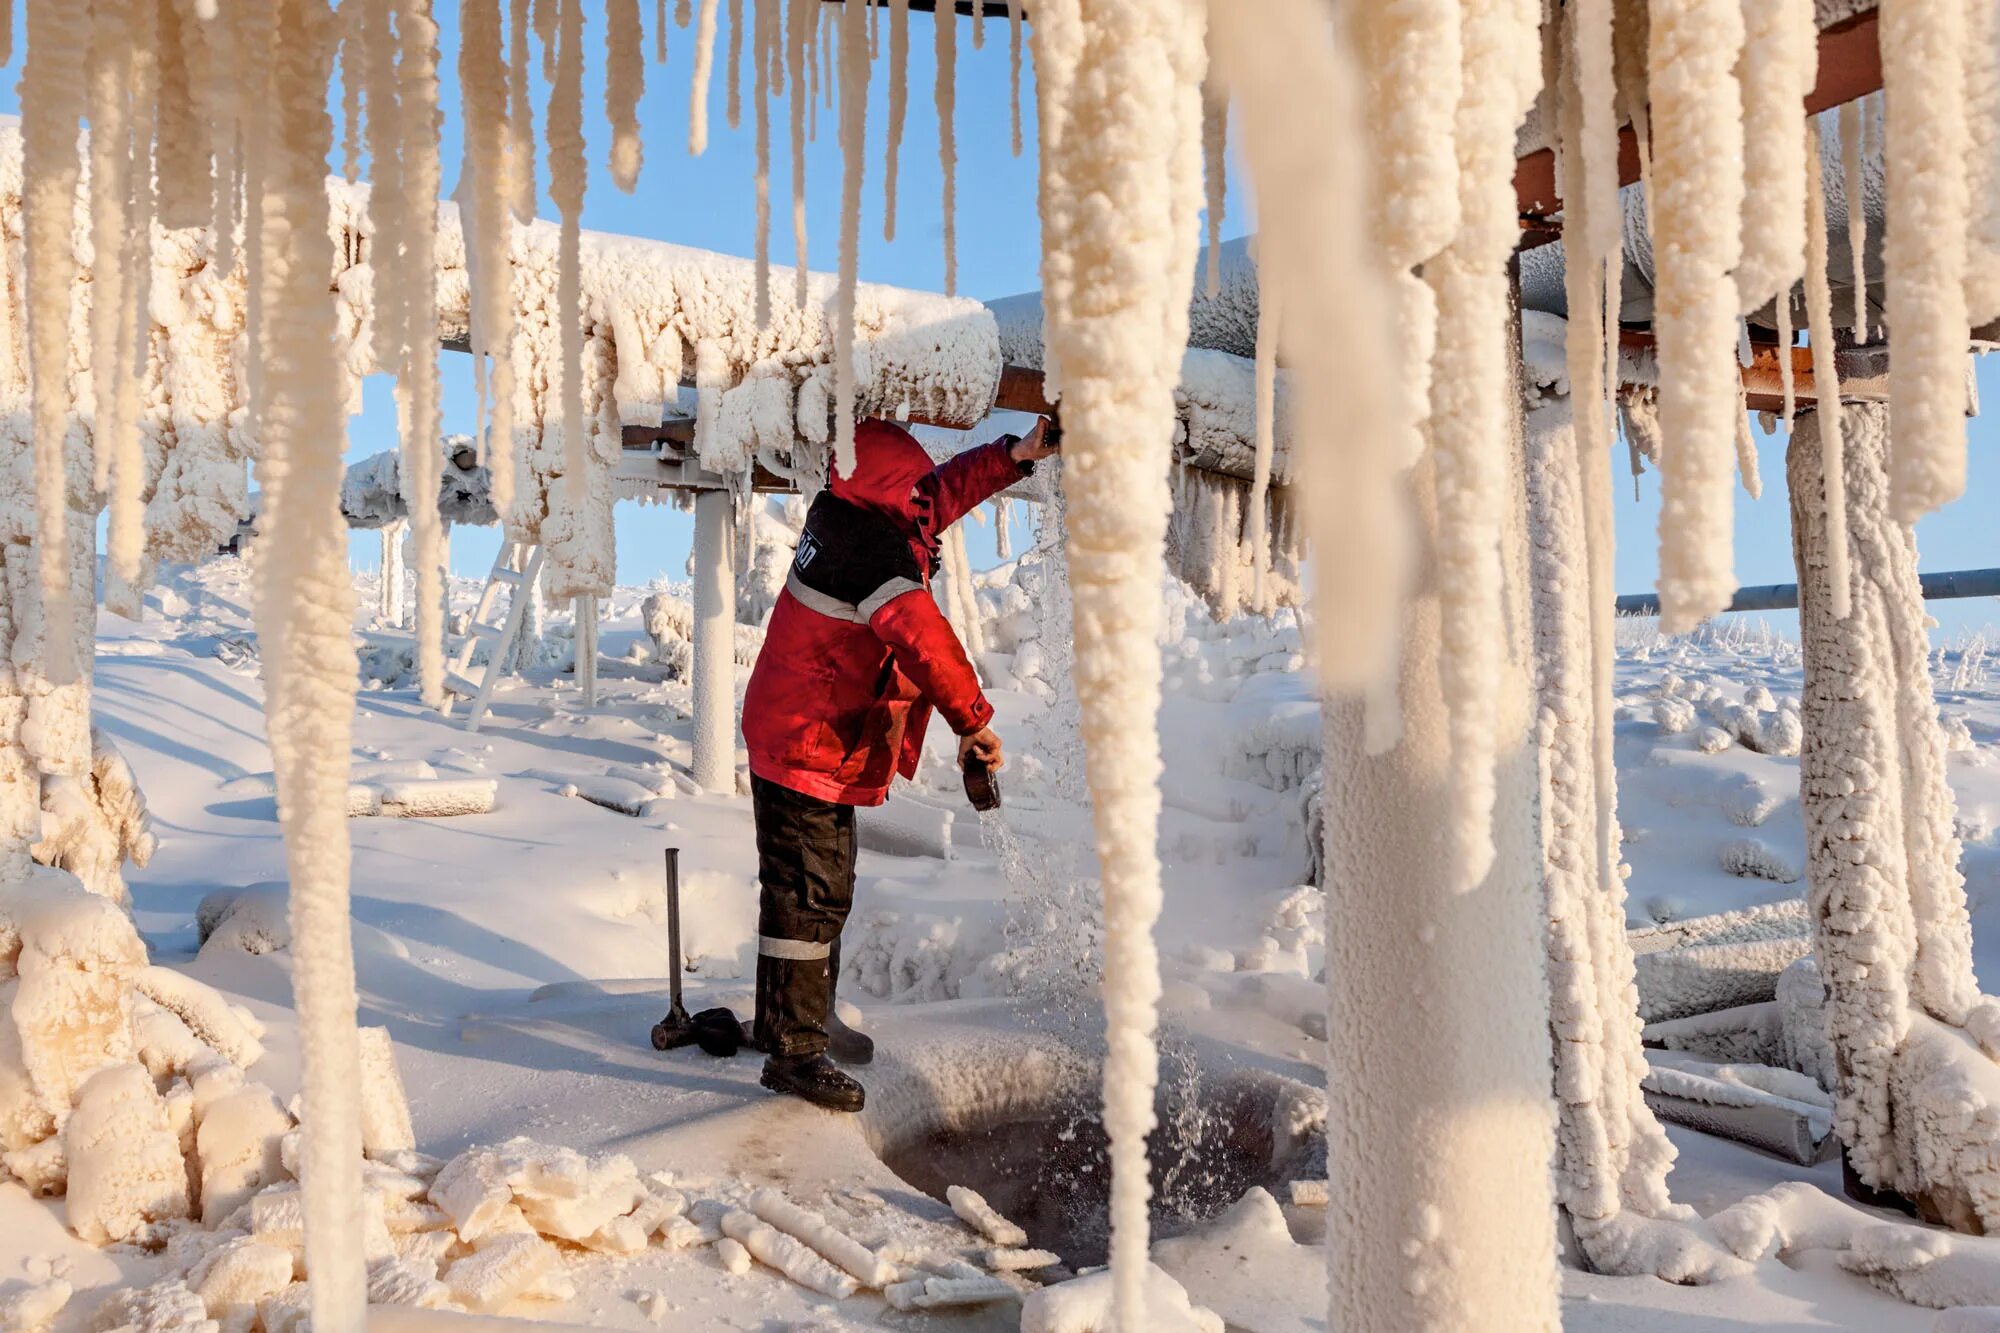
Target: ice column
715, 640
1442, 1151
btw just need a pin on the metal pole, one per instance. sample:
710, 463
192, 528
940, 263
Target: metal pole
715, 641
1943, 586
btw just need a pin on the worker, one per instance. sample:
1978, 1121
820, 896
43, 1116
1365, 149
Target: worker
856, 658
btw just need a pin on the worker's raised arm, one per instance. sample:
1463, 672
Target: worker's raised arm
977, 475
927, 651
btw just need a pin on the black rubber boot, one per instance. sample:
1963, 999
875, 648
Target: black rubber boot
843, 1043
813, 1078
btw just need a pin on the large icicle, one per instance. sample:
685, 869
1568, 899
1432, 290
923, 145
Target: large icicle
1925, 138
704, 61
1120, 212
899, 99
304, 604
1826, 375
946, 96
799, 19
52, 86
486, 197
520, 112
566, 186
1696, 210
1266, 407
1214, 173
1779, 66
767, 13
1853, 126
121, 463
853, 157
417, 376
1472, 392
1982, 118
624, 83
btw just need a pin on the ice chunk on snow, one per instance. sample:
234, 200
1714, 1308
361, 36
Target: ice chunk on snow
1246, 1267
228, 1028
238, 1144
385, 1111
1003, 1260
254, 918
937, 1293
165, 1307
499, 1271
976, 1213
868, 1268
407, 1281
1084, 1306
777, 1250
241, 1272
125, 1164
732, 1255
472, 1189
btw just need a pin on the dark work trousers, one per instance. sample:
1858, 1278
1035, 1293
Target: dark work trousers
805, 864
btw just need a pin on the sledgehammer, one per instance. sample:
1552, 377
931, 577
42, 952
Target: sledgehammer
676, 1029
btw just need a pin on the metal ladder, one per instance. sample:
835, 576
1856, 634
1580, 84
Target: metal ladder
517, 567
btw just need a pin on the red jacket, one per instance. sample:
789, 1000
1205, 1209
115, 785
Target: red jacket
857, 653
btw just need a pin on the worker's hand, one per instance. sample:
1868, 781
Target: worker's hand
1035, 445
983, 743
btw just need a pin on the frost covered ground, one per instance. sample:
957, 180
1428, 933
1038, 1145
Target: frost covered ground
516, 957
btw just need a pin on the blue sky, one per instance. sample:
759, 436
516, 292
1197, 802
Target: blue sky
706, 201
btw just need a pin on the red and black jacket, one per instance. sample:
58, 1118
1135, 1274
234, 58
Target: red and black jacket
857, 653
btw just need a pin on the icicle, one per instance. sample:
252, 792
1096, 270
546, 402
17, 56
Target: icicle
353, 77
799, 20
624, 83
52, 86
484, 207
6, 32
734, 103
1780, 63
815, 39
899, 97
1982, 118
139, 179
120, 459
1697, 207
829, 39
978, 24
417, 376
548, 17
1003, 533
1014, 73
305, 611
660, 32
1120, 362
1787, 378
874, 30
683, 12
1472, 403
183, 136
1268, 304
1925, 138
1854, 193
704, 58
853, 153
946, 96
520, 113
766, 12
566, 187
1214, 141
218, 102
1826, 376
1746, 449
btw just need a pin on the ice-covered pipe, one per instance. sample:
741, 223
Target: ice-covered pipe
714, 640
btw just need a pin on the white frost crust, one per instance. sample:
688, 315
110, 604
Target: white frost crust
1925, 140
1085, 1305
238, 1143
1982, 118
1819, 328
385, 1111
1696, 205
975, 1212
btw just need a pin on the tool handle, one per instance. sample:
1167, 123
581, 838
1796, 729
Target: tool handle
674, 921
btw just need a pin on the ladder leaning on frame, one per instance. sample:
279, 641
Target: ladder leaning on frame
516, 568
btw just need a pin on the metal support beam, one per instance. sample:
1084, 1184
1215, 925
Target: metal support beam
1944, 586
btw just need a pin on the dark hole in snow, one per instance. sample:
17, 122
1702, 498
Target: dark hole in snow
1051, 1174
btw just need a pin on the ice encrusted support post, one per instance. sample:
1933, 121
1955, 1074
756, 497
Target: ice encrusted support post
1440, 1122
1891, 931
715, 640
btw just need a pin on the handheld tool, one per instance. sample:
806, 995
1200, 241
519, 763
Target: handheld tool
676, 1029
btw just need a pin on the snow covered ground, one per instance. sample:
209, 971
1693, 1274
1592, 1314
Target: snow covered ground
517, 956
